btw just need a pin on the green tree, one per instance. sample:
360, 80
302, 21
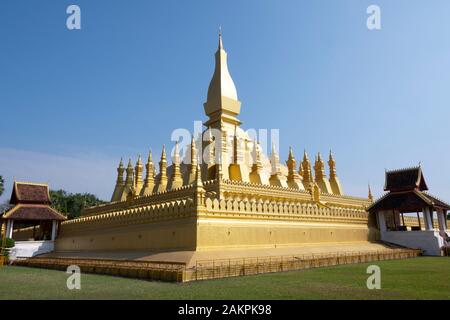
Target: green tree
72, 204
4, 206
2, 185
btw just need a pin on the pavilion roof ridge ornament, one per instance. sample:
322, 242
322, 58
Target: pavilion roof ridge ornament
32, 183
403, 169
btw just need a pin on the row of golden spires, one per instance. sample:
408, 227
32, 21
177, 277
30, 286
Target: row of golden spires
302, 179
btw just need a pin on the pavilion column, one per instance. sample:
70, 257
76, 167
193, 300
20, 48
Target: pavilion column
54, 225
381, 221
445, 218
9, 228
432, 218
397, 218
427, 219
441, 219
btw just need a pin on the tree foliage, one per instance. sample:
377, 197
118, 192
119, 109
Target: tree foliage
72, 204
5, 206
2, 185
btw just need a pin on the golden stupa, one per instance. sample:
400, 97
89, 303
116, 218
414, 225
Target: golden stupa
224, 198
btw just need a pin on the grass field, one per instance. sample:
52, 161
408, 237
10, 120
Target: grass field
419, 278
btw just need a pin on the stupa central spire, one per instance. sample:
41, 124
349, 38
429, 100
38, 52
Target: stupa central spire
222, 104
220, 38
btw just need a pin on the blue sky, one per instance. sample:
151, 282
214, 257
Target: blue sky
73, 102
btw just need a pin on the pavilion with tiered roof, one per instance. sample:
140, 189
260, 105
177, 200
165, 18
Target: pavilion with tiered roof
407, 194
31, 212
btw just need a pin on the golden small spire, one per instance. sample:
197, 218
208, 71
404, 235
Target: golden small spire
176, 154
257, 154
291, 163
149, 181
319, 168
291, 154
335, 184
118, 189
320, 176
193, 154
163, 153
162, 182
294, 180
332, 165
275, 175
193, 162
370, 194
150, 157
255, 176
176, 180
305, 155
138, 175
130, 174
198, 177
199, 191
275, 160
128, 190
120, 171
306, 172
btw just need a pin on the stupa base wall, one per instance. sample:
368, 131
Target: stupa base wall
215, 234
210, 224
166, 235
209, 234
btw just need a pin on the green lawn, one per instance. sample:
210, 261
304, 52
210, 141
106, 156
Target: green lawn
419, 278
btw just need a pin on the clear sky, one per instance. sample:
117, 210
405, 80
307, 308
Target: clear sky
73, 102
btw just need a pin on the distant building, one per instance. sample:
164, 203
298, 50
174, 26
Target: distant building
406, 194
33, 216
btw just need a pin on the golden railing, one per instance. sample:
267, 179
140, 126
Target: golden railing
152, 270
413, 221
214, 269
